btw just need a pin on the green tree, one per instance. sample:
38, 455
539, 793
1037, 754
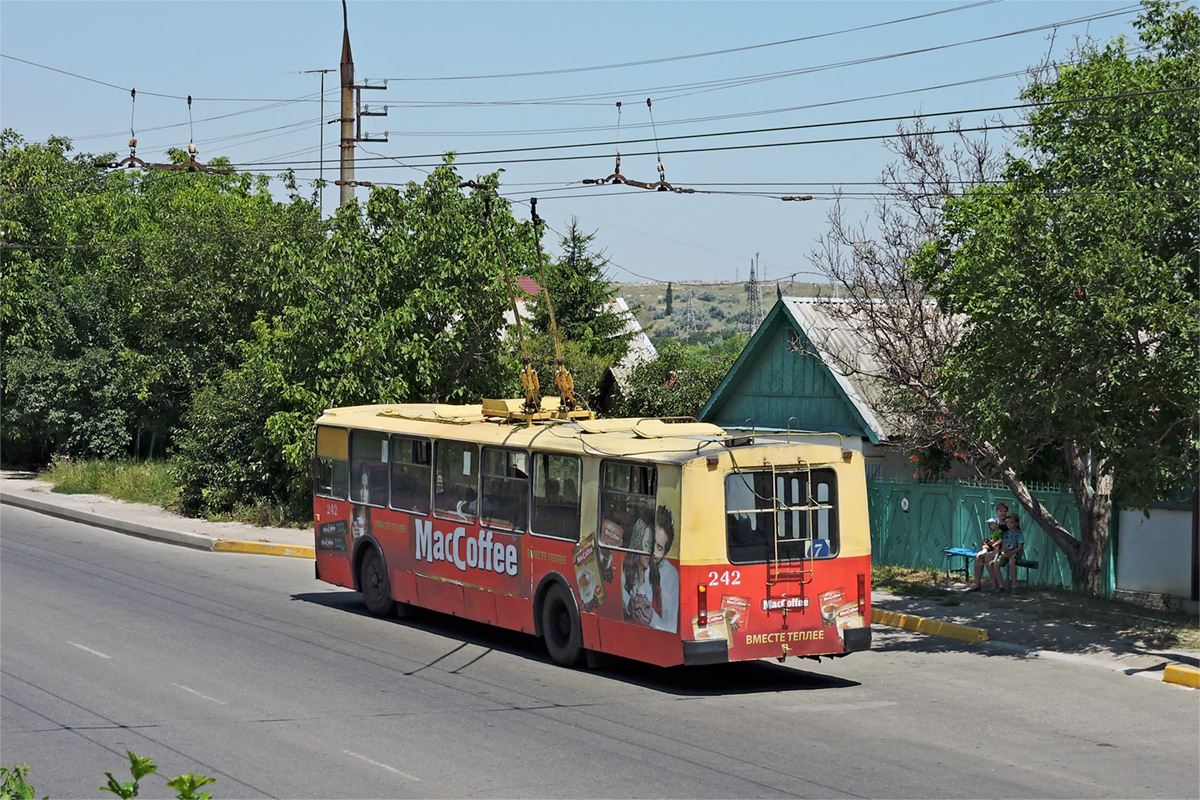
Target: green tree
582, 297
1078, 274
132, 288
190, 266
60, 340
403, 301
62, 393
670, 299
678, 383
1064, 334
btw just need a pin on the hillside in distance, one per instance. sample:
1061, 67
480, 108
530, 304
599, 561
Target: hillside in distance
707, 312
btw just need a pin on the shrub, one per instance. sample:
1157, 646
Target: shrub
225, 459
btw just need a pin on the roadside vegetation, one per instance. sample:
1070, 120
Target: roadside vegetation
15, 786
126, 479
156, 482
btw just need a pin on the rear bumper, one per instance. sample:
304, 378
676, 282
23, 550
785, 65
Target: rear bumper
854, 639
711, 651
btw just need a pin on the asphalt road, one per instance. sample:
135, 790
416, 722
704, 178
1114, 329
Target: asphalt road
246, 669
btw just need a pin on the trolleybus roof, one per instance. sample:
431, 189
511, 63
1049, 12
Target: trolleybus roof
652, 438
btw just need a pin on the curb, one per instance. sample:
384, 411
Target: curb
263, 548
947, 630
1183, 676
193, 540
197, 541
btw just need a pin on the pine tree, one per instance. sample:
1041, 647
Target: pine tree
582, 296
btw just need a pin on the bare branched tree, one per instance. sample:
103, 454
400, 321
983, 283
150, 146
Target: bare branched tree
905, 337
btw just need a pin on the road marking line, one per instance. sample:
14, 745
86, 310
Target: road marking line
382, 766
198, 694
90, 650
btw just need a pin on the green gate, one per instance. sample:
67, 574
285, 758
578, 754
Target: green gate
913, 522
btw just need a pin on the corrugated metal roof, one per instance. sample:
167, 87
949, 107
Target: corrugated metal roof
838, 335
641, 349
812, 364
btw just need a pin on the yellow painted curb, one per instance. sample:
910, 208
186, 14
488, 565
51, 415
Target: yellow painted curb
263, 548
947, 630
1184, 676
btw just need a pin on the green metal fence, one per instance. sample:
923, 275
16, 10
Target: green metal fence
913, 522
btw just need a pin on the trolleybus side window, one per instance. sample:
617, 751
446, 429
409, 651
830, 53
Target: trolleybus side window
368, 467
627, 498
505, 501
456, 484
331, 475
411, 473
793, 517
556, 481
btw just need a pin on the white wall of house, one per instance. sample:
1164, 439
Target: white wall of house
1154, 554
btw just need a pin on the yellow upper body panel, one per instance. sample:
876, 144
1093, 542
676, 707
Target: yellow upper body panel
651, 439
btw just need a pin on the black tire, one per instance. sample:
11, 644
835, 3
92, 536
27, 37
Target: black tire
560, 626
373, 583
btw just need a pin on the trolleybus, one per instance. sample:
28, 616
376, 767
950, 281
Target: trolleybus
662, 541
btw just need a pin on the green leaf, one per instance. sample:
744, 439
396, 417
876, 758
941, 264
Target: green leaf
186, 786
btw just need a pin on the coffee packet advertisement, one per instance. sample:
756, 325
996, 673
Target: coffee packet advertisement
587, 576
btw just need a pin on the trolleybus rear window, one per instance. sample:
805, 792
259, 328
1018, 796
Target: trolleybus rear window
331, 475
792, 517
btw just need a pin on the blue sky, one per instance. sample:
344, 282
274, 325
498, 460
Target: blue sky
789, 64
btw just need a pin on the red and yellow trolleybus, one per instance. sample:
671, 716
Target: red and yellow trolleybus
666, 542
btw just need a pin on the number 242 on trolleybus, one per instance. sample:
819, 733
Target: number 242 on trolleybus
666, 542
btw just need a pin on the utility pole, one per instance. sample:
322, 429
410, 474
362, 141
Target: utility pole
352, 113
347, 145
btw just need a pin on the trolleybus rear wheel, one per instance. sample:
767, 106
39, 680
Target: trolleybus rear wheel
373, 581
560, 627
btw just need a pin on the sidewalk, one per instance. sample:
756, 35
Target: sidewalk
152, 522
997, 623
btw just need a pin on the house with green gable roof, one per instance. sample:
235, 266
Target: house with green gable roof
807, 371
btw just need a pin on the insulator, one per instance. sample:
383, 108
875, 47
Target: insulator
192, 149
133, 143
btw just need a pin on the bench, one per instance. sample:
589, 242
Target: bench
968, 558
1028, 564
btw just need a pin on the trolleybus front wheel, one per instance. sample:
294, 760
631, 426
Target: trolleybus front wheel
373, 582
560, 627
